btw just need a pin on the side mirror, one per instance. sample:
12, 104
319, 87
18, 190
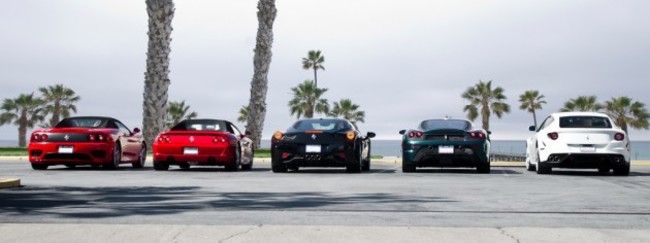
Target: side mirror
402, 132
489, 132
136, 130
531, 128
371, 135
248, 133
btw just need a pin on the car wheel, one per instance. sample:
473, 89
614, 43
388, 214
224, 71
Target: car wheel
483, 168
277, 166
160, 165
116, 157
354, 165
39, 166
529, 166
248, 166
70, 166
622, 170
408, 166
234, 165
142, 157
184, 166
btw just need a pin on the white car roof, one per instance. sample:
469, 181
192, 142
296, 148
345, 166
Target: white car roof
579, 113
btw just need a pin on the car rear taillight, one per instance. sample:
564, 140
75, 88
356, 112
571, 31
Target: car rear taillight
91, 137
101, 137
415, 134
552, 135
480, 135
619, 136
163, 138
39, 137
97, 137
218, 140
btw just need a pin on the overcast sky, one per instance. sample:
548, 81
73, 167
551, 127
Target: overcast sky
401, 61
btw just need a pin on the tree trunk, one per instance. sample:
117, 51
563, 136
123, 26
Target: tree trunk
485, 115
156, 81
56, 114
22, 130
315, 77
534, 119
261, 62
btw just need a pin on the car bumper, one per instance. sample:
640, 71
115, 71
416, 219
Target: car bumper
331, 155
82, 153
586, 160
428, 154
206, 155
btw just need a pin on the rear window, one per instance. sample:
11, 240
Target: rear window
445, 124
82, 122
321, 125
199, 125
585, 122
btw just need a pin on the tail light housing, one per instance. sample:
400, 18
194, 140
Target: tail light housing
350, 135
97, 137
164, 138
552, 135
415, 134
477, 134
219, 139
36, 137
278, 135
619, 136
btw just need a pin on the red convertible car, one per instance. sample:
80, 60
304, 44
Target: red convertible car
87, 140
203, 142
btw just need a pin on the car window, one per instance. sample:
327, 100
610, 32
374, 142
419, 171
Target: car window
545, 123
585, 122
235, 131
330, 125
445, 124
82, 122
122, 128
199, 125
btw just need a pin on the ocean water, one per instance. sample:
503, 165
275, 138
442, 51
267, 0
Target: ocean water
640, 149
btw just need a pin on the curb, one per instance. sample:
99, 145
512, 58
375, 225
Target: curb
9, 183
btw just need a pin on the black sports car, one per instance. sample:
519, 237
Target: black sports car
324, 142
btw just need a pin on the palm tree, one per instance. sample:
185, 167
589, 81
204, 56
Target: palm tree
59, 101
156, 78
266, 13
348, 110
488, 100
626, 112
582, 103
243, 114
313, 61
307, 99
23, 111
531, 101
177, 111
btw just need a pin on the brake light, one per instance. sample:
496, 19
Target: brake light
101, 138
218, 139
39, 137
477, 135
619, 136
163, 138
553, 135
91, 137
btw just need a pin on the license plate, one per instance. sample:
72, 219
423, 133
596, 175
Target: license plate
588, 149
191, 150
445, 149
312, 149
65, 149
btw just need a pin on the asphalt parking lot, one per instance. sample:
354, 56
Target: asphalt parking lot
384, 198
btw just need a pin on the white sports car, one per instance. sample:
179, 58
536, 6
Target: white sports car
579, 140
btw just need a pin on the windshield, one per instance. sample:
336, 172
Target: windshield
329, 125
585, 122
445, 124
199, 125
83, 122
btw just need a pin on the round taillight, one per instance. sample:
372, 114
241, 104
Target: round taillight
619, 136
350, 135
411, 134
167, 139
418, 134
44, 137
91, 137
278, 135
101, 137
553, 135
160, 139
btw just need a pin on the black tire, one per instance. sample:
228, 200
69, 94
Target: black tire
542, 168
529, 166
277, 166
184, 166
483, 168
408, 166
622, 170
142, 157
234, 165
116, 158
70, 166
160, 165
39, 166
354, 165
247, 167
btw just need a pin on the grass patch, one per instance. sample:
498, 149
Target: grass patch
263, 153
13, 151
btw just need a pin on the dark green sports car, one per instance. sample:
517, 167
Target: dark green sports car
446, 143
